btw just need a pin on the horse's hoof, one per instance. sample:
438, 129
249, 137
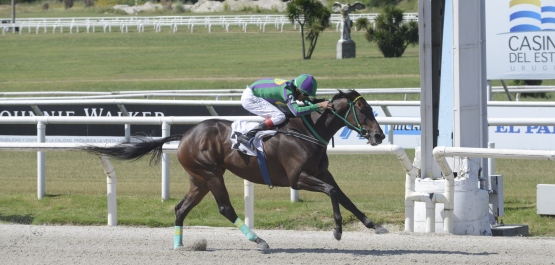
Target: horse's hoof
178, 246
337, 234
380, 229
262, 246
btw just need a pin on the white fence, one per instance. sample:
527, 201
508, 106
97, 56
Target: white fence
165, 122
171, 148
172, 23
410, 194
249, 204
229, 93
448, 196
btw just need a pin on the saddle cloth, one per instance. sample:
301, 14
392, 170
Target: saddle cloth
242, 127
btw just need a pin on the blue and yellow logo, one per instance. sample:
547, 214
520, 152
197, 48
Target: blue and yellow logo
532, 15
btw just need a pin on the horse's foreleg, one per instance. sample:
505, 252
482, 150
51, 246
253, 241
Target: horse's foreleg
350, 206
219, 191
311, 183
193, 198
347, 204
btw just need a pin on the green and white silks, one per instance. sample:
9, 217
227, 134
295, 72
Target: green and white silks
245, 229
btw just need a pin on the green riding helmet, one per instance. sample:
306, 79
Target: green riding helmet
307, 84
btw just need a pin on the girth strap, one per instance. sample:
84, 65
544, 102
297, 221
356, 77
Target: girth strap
263, 168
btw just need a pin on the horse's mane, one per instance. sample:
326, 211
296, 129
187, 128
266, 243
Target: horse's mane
351, 94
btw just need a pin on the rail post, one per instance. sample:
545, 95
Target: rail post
110, 190
165, 165
41, 161
249, 203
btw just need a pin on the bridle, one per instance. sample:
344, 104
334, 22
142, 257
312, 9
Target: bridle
358, 128
361, 131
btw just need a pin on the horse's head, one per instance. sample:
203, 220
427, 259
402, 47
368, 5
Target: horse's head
358, 115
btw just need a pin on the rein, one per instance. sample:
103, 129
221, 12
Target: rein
304, 137
358, 127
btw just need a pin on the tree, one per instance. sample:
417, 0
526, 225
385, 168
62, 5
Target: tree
391, 34
312, 17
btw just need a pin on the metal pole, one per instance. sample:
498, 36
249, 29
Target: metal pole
110, 190
249, 203
13, 11
127, 132
41, 161
391, 127
491, 167
165, 166
294, 195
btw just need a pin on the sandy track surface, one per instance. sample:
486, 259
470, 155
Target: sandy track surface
27, 244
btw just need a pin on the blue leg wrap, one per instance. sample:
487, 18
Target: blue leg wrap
245, 229
178, 237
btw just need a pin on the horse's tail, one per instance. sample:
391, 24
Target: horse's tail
138, 147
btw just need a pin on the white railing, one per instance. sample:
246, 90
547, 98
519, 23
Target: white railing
448, 196
172, 148
220, 93
216, 93
53, 25
165, 122
41, 122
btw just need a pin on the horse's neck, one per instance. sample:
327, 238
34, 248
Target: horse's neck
325, 124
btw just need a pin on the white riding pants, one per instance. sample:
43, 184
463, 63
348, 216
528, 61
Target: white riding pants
261, 107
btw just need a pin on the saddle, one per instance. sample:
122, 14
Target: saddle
239, 128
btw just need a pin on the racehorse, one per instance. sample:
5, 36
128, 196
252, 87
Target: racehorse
296, 157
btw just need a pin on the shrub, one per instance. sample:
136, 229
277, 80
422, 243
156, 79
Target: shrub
531, 83
107, 3
88, 3
167, 4
391, 34
179, 8
68, 4
362, 23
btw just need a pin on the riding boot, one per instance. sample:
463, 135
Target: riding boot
246, 138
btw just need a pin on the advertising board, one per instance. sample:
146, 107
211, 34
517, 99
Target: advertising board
520, 39
406, 136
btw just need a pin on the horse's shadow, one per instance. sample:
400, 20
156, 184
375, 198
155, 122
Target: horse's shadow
375, 252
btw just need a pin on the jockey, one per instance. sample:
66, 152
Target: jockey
272, 98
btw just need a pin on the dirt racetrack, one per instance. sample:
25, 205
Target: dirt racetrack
29, 244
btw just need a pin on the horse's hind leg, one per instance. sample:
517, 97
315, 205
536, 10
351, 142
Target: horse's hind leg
195, 195
216, 185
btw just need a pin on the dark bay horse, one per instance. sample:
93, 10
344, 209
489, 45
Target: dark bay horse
298, 162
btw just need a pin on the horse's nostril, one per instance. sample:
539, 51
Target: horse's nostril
379, 136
